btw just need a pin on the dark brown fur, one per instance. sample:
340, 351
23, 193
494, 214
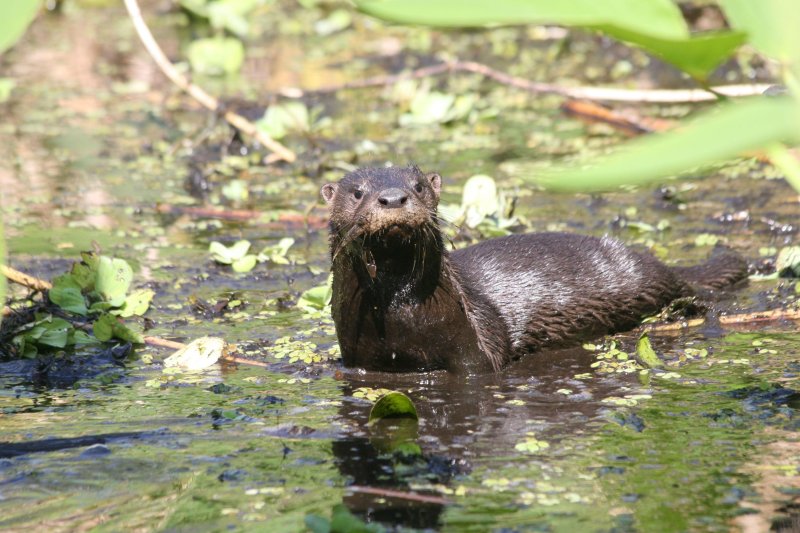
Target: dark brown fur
401, 302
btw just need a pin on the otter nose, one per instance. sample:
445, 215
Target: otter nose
393, 198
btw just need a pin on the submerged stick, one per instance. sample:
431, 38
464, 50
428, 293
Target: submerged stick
607, 94
389, 493
206, 100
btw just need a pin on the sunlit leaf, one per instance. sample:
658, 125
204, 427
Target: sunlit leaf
6, 87
316, 298
136, 304
228, 254
216, 56
114, 277
244, 264
722, 133
283, 118
198, 354
646, 354
338, 20
393, 405
15, 16
479, 199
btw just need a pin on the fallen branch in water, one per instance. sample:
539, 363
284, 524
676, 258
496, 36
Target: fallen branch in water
388, 493
21, 278
206, 100
607, 94
761, 316
674, 326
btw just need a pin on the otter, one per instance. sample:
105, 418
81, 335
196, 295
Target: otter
402, 302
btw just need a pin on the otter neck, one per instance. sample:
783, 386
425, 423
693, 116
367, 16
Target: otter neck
395, 269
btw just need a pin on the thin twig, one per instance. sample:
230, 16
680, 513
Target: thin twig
607, 94
761, 316
674, 326
206, 100
389, 493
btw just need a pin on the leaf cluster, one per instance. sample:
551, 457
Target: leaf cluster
95, 295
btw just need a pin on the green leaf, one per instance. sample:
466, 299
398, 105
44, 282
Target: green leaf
227, 255
722, 133
114, 277
697, 56
771, 26
15, 17
231, 15
216, 56
103, 328
6, 88
343, 521
317, 524
66, 293
479, 199
655, 25
136, 303
646, 354
316, 298
283, 118
80, 338
84, 275
197, 355
787, 263
54, 332
276, 253
657, 18
245, 264
393, 405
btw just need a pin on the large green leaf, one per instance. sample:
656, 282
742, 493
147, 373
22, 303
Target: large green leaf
657, 18
15, 16
772, 26
655, 25
114, 277
696, 56
717, 135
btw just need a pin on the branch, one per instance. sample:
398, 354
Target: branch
389, 493
205, 99
761, 316
20, 278
608, 94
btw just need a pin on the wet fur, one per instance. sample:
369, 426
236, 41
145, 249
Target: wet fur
401, 302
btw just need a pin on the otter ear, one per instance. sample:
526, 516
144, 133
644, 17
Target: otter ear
436, 182
329, 191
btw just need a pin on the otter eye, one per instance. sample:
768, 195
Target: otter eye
418, 187
358, 194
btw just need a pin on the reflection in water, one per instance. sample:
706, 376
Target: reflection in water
464, 419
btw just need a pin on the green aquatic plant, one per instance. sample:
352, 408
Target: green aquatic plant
724, 132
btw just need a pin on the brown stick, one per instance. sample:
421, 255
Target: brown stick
761, 316
164, 343
20, 278
205, 99
674, 326
388, 493
608, 94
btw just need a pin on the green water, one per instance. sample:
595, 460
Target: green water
94, 139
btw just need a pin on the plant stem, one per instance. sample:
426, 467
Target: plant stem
205, 99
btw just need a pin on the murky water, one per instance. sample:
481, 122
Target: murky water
94, 140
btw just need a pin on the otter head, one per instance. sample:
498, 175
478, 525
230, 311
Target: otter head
377, 208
